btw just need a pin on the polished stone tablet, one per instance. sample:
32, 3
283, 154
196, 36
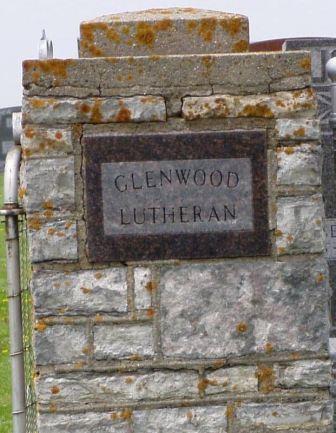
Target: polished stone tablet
177, 195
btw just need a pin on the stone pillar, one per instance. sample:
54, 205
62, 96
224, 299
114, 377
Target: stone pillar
216, 319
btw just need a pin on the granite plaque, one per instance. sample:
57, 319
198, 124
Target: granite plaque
195, 195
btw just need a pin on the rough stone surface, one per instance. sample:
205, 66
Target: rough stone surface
305, 374
143, 288
299, 165
173, 420
48, 185
299, 225
52, 239
164, 31
98, 110
125, 76
59, 344
123, 341
47, 142
118, 389
209, 310
280, 104
84, 292
231, 380
297, 129
295, 417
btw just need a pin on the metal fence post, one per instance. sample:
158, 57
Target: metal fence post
11, 212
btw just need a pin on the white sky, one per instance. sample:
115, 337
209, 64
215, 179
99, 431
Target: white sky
21, 23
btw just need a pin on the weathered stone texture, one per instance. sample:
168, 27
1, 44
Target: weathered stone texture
126, 76
78, 388
297, 129
164, 31
60, 344
297, 417
83, 292
98, 110
305, 374
52, 239
169, 420
299, 225
231, 380
123, 341
209, 310
299, 165
275, 105
48, 185
143, 288
47, 142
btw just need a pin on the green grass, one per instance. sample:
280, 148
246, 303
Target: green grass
5, 387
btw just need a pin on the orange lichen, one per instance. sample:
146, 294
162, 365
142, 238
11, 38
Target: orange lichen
295, 356
266, 378
129, 380
125, 415
58, 135
299, 132
278, 233
98, 275
242, 327
86, 290
145, 34
289, 150
56, 67
232, 25
202, 385
68, 225
38, 103
150, 313
290, 238
96, 115
230, 411
257, 110
280, 103
22, 192
87, 350
207, 28
98, 318
124, 115
136, 357
48, 213
112, 35
78, 365
87, 32
163, 25
40, 326
191, 25
218, 363
306, 63
268, 348
52, 408
51, 231
151, 286
29, 132
240, 46
281, 250
125, 30
85, 108
36, 76
55, 390
320, 278
34, 223
48, 204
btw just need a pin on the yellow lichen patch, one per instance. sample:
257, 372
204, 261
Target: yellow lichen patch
38, 103
281, 250
98, 318
51, 231
48, 213
278, 233
112, 35
129, 380
48, 204
299, 132
268, 348
34, 223
230, 411
266, 378
241, 327
202, 385
125, 30
22, 192
86, 290
55, 67
40, 326
163, 25
136, 357
306, 63
191, 25
207, 28
98, 275
320, 278
150, 313
280, 103
68, 224
232, 25
125, 415
240, 47
257, 110
96, 114
87, 32
289, 150
151, 286
29, 132
87, 350
145, 34
69, 321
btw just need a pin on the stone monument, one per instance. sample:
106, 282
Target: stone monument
172, 185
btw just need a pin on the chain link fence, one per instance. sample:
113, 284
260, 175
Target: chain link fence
27, 323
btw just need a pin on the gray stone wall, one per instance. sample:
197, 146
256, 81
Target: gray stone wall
234, 345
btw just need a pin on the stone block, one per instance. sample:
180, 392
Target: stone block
126, 388
127, 76
52, 239
297, 417
275, 105
300, 225
231, 380
164, 31
50, 142
143, 288
81, 292
123, 341
94, 110
299, 165
209, 310
305, 374
48, 185
59, 344
297, 129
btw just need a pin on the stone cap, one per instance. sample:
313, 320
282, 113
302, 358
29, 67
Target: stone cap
164, 32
